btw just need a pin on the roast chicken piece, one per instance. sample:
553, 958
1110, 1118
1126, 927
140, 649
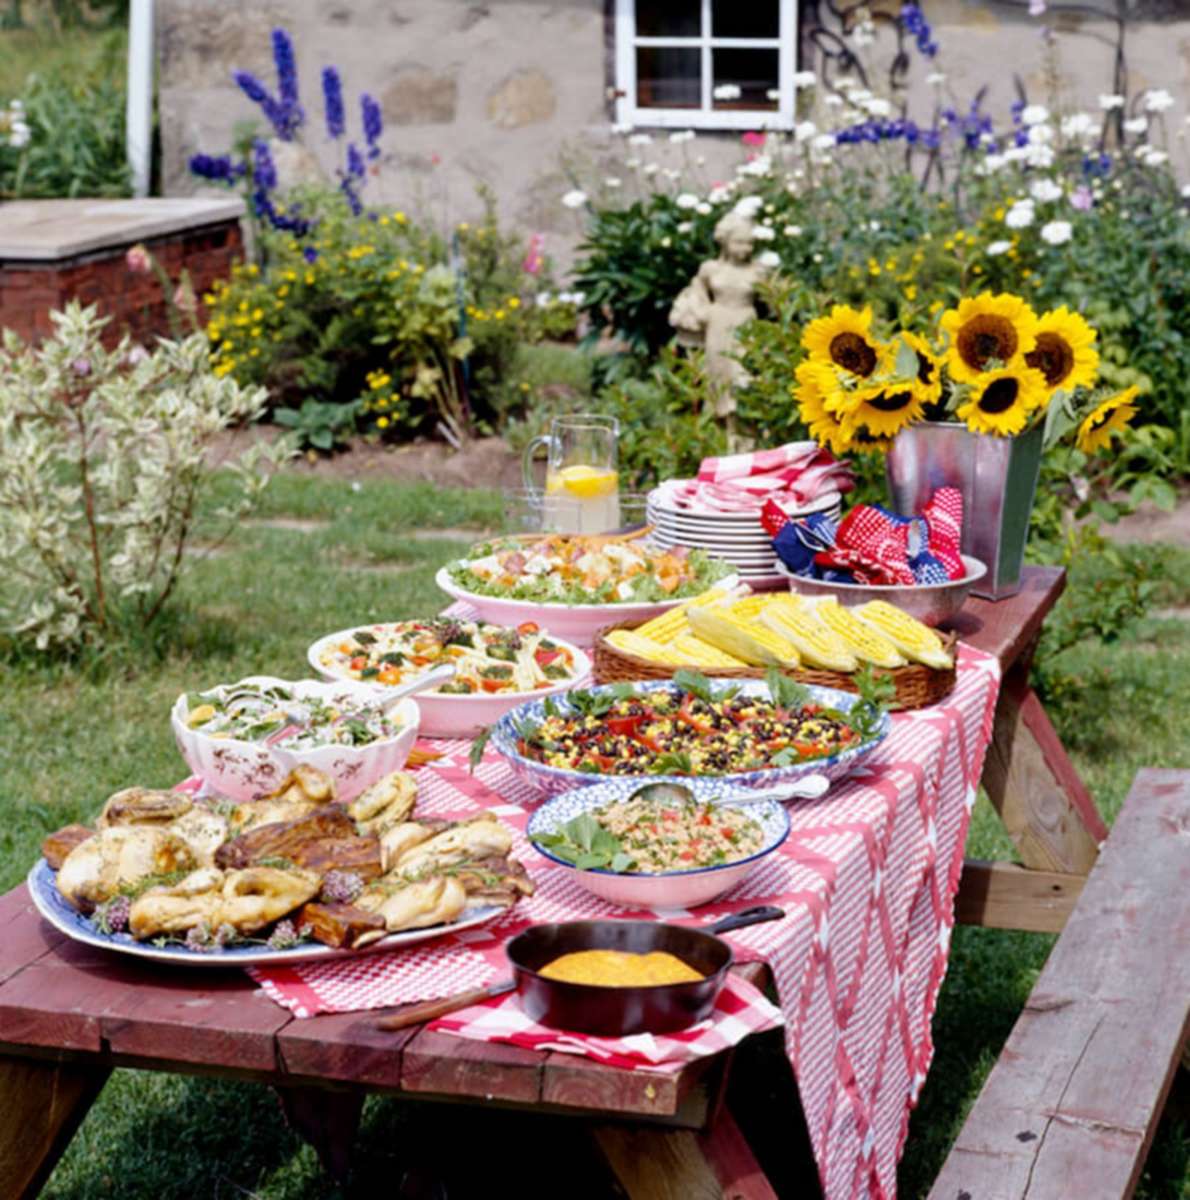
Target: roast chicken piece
387, 802
397, 840
494, 881
203, 830
281, 839
95, 870
248, 900
303, 790
143, 806
61, 842
411, 906
359, 855
338, 925
480, 837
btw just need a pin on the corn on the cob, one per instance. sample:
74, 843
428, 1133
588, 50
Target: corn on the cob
865, 642
750, 607
818, 645
744, 639
697, 653
633, 643
666, 627
915, 640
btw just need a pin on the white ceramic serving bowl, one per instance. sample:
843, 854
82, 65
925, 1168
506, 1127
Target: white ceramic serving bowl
663, 890
447, 715
246, 770
930, 603
576, 623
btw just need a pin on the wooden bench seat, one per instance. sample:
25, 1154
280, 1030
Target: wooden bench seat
1070, 1107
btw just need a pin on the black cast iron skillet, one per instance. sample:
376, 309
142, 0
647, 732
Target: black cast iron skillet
608, 1011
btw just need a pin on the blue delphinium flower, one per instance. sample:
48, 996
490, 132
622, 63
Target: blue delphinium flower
373, 124
310, 254
355, 161
293, 115
332, 94
219, 168
916, 25
347, 187
284, 120
264, 170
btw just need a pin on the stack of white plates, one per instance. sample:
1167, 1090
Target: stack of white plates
737, 538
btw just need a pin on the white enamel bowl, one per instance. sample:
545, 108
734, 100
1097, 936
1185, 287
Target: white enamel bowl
577, 623
246, 770
446, 715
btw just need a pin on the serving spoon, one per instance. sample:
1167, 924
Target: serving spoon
808, 787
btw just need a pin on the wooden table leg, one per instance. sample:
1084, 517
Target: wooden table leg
1032, 784
42, 1103
328, 1120
655, 1164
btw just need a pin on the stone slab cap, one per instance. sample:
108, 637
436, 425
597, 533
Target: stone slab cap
50, 230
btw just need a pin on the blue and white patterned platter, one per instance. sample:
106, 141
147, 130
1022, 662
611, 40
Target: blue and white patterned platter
53, 907
552, 781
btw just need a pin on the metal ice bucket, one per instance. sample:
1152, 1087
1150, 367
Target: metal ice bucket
997, 477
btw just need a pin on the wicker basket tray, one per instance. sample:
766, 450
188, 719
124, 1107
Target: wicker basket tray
917, 685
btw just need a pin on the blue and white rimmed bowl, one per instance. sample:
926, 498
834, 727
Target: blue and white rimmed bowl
661, 889
553, 781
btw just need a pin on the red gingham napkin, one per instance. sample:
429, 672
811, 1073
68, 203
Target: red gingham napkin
871, 546
759, 462
741, 1009
944, 516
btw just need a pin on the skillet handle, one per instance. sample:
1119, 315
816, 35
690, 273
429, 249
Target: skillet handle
431, 1010
749, 916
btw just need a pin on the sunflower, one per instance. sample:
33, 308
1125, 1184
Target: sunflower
1000, 401
1109, 417
1065, 352
929, 369
814, 384
884, 410
843, 340
989, 329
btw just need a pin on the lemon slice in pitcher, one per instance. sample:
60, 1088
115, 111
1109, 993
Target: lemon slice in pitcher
586, 483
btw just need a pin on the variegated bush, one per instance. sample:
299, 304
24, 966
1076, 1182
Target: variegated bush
105, 468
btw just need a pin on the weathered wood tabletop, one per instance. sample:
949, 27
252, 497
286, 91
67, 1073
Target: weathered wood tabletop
69, 1013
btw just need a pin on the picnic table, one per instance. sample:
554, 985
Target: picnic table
69, 1014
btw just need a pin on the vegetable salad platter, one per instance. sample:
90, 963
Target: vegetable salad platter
573, 585
241, 738
296, 875
497, 667
749, 733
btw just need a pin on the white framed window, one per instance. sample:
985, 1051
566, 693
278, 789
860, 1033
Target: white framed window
705, 64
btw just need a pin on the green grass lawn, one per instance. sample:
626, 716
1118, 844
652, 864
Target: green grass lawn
342, 553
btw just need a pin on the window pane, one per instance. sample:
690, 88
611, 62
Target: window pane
753, 72
668, 18
668, 77
755, 19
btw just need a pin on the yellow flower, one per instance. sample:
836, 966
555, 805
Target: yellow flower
1112, 416
524, 387
222, 369
384, 220
843, 339
291, 276
382, 422
885, 411
282, 292
911, 292
1001, 401
514, 302
499, 314
252, 270
379, 379
309, 276
257, 314
935, 306
1065, 351
988, 330
399, 217
255, 331
208, 298
929, 368
814, 382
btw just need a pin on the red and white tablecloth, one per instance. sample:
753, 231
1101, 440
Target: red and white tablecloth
867, 879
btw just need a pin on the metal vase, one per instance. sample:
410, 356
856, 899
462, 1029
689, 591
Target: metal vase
997, 477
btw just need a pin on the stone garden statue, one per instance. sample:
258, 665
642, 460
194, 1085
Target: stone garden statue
716, 302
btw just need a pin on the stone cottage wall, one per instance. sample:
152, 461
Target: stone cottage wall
502, 91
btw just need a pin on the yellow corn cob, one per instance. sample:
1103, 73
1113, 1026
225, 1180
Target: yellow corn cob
817, 643
697, 653
631, 642
750, 607
666, 627
915, 640
864, 641
744, 639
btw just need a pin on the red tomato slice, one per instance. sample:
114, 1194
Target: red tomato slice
545, 657
528, 627
493, 685
624, 726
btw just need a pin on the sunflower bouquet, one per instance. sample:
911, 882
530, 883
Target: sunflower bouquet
995, 365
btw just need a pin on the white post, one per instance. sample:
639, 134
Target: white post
139, 120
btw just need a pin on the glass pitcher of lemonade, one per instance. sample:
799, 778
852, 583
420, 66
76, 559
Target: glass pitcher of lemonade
582, 483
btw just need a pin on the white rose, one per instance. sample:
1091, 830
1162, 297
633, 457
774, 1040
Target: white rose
1035, 114
612, 182
935, 79
1109, 100
833, 101
685, 226
803, 131
1045, 190
879, 108
1079, 125
640, 139
769, 258
1020, 215
666, 242
1056, 232
995, 249
686, 200
1040, 134
824, 141
703, 209
749, 206
1136, 125
650, 169
764, 233
575, 199
792, 231
719, 193
670, 173
1158, 101
1150, 156
1041, 157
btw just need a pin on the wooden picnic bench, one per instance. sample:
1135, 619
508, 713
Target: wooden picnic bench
1071, 1105
70, 1014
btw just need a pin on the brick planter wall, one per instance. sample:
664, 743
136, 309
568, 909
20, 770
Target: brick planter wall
42, 269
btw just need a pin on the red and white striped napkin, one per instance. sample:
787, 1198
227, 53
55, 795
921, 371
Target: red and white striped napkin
741, 1009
